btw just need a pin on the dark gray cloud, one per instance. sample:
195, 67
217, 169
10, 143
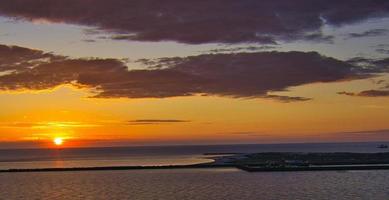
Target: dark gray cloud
14, 57
383, 63
89, 40
46, 73
369, 33
256, 74
382, 48
236, 75
368, 93
383, 51
242, 49
195, 22
318, 37
379, 82
371, 64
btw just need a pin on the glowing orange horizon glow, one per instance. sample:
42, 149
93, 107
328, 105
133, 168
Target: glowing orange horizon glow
82, 122
58, 141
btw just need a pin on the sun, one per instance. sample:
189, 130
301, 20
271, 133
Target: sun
58, 141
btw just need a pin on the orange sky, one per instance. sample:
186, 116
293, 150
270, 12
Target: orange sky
183, 88
66, 113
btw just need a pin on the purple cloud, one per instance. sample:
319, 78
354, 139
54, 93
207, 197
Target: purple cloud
235, 75
368, 93
195, 22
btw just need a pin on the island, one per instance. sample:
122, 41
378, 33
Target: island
286, 161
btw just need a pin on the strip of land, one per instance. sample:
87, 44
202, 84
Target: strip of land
114, 168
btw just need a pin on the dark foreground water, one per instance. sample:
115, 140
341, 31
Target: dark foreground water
164, 155
182, 184
192, 184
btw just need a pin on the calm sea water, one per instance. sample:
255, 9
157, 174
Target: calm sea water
182, 184
196, 184
163, 155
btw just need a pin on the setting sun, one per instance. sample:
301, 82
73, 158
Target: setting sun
58, 141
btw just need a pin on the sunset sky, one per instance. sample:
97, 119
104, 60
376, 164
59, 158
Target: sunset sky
151, 72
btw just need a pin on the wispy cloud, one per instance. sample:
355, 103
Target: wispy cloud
155, 121
369, 33
286, 99
44, 125
248, 134
372, 134
382, 48
242, 49
368, 93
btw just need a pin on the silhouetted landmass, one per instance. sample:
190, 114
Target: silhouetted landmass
268, 159
311, 161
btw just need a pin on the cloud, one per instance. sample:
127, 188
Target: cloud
379, 82
370, 64
383, 131
383, 51
369, 134
242, 49
250, 134
235, 75
286, 99
382, 48
318, 37
369, 33
195, 22
255, 74
89, 40
368, 93
12, 57
18, 125
383, 63
43, 125
155, 121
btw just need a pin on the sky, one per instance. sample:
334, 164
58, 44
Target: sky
119, 72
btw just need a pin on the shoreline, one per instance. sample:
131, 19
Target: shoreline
314, 168
117, 168
205, 166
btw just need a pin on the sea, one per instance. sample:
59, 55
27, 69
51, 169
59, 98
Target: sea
181, 184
